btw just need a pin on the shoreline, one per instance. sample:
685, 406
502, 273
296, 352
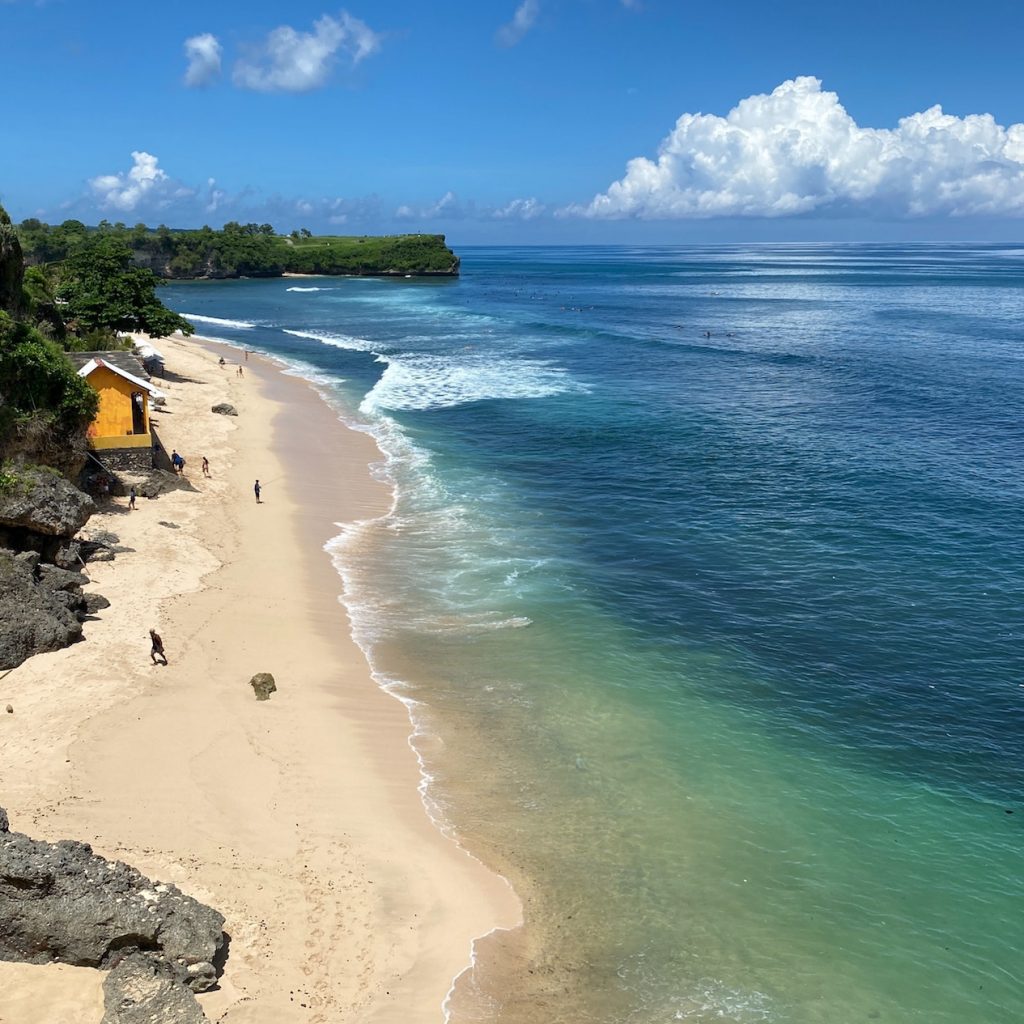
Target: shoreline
301, 819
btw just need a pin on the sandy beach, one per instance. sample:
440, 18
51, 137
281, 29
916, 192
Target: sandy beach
298, 818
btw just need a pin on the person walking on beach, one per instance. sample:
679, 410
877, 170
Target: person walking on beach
176, 460
131, 499
157, 650
206, 466
257, 490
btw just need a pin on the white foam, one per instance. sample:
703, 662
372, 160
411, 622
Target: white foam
345, 341
241, 325
304, 289
419, 381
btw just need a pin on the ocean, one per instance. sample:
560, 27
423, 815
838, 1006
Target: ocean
704, 585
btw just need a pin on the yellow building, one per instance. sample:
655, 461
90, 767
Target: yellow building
122, 419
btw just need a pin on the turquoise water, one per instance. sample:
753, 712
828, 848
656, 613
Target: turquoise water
704, 581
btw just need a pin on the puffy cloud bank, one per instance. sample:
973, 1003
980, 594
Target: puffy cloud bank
798, 151
292, 61
125, 191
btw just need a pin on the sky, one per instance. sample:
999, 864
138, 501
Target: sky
521, 121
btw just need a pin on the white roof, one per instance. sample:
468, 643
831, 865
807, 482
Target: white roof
95, 364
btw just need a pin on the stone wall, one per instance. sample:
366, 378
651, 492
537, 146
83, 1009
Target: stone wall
127, 460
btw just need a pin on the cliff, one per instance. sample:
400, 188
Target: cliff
247, 250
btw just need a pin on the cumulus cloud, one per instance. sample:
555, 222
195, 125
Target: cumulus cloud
521, 23
797, 151
126, 190
203, 54
292, 61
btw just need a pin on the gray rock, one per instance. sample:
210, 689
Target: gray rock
224, 409
159, 481
144, 989
42, 501
101, 555
95, 603
4, 821
29, 558
263, 685
60, 579
37, 616
59, 902
69, 555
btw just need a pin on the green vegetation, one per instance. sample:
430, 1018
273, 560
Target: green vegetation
45, 406
103, 293
243, 250
368, 254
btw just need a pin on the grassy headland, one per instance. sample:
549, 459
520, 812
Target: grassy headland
246, 250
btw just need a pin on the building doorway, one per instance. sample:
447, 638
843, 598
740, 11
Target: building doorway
138, 413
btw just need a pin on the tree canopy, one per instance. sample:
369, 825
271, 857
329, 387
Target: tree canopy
102, 290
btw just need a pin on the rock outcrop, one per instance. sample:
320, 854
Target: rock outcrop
38, 608
263, 685
59, 902
144, 989
41, 501
224, 409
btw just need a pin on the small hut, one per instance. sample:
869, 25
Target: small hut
120, 431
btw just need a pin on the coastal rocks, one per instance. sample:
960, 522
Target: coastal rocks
145, 990
38, 609
59, 902
157, 482
95, 603
224, 409
42, 501
263, 685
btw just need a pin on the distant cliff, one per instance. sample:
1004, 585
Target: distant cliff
248, 250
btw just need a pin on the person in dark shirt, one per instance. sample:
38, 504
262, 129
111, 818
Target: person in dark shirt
157, 649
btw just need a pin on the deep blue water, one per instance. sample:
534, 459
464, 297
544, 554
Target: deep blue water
707, 565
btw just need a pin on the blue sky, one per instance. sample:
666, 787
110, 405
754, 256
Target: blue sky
522, 120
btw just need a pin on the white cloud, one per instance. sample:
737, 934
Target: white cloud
125, 191
521, 23
203, 53
447, 206
798, 151
520, 209
291, 61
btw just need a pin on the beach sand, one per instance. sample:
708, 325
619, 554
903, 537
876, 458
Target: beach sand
298, 818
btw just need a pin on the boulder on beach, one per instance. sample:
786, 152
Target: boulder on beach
224, 409
60, 903
41, 501
144, 989
39, 607
263, 685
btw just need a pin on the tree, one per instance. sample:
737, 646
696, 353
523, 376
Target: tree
103, 291
38, 383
